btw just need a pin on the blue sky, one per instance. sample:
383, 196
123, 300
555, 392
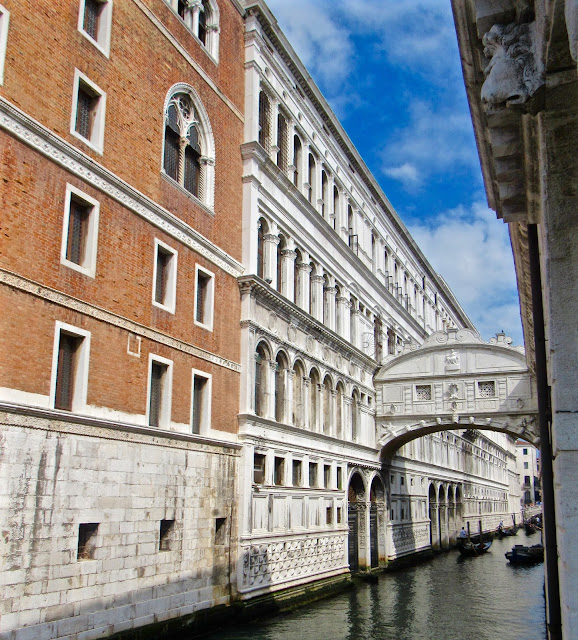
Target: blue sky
391, 71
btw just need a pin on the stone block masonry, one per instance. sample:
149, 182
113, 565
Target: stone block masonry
68, 476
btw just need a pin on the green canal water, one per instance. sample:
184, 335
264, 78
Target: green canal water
445, 598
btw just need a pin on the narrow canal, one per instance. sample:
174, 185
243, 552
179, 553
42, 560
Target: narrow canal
446, 598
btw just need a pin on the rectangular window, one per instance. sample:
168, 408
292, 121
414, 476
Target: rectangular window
423, 391
327, 476
165, 277
525, 465
526, 479
220, 531
166, 535
204, 296
88, 108
313, 474
80, 231
160, 385
259, 468
4, 18
487, 389
328, 515
296, 476
94, 22
402, 481
201, 402
86, 540
338, 515
70, 367
339, 478
525, 452
279, 472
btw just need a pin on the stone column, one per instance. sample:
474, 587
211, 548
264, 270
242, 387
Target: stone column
364, 542
316, 311
270, 243
443, 526
329, 212
354, 323
343, 309
329, 304
192, 17
288, 273
304, 284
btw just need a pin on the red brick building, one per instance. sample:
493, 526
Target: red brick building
120, 132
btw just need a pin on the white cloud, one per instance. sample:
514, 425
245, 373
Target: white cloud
405, 173
471, 250
435, 140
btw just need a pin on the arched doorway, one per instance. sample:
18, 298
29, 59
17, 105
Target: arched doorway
433, 517
355, 511
442, 518
376, 512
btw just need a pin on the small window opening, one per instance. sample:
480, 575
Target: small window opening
220, 531
86, 540
279, 473
259, 468
166, 534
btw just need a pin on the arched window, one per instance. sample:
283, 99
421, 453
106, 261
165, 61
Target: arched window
282, 142
339, 411
338, 311
323, 193
261, 231
260, 380
327, 397
296, 280
264, 121
354, 417
298, 394
313, 405
280, 387
335, 207
311, 195
202, 18
280, 248
188, 156
297, 156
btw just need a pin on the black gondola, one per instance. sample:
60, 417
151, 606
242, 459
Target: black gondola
525, 555
473, 549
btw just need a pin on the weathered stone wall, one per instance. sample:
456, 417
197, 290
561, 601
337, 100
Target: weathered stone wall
55, 476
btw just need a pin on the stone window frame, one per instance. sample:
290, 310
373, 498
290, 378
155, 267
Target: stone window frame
96, 139
4, 21
191, 21
171, 287
422, 387
206, 195
167, 392
102, 41
81, 367
209, 303
479, 395
207, 397
88, 264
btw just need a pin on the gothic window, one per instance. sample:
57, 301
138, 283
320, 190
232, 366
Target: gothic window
280, 387
201, 17
313, 404
280, 248
327, 397
339, 413
188, 145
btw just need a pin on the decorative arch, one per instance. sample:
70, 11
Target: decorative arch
299, 393
339, 409
327, 403
314, 381
281, 372
188, 144
202, 18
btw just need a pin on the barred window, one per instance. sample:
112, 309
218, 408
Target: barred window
487, 389
282, 142
423, 392
94, 22
264, 121
88, 108
80, 231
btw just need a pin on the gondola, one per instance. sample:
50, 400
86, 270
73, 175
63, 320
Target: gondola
504, 532
532, 525
471, 549
525, 555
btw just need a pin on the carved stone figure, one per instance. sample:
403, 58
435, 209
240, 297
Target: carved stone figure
453, 359
514, 72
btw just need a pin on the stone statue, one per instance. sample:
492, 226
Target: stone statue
514, 72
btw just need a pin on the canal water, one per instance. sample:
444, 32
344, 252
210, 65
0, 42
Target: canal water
445, 598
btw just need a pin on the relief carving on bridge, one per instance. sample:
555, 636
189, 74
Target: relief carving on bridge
456, 380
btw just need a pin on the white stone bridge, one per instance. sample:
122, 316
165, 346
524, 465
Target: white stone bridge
455, 380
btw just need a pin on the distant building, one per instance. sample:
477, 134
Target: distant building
528, 466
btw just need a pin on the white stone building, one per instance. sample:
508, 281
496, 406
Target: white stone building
527, 463
334, 285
